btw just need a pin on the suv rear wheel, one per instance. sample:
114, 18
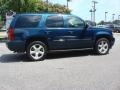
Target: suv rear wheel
102, 46
36, 51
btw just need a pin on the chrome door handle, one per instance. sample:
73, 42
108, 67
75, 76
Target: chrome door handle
48, 32
71, 32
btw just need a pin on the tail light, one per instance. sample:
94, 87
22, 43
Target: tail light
11, 34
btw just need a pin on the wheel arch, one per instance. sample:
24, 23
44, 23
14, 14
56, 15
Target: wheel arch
32, 39
103, 36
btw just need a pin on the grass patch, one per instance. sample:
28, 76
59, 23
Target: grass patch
2, 39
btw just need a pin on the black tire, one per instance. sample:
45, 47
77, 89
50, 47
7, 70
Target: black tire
97, 49
30, 47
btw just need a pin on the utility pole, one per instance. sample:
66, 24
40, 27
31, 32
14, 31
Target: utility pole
113, 17
47, 1
91, 11
68, 3
106, 16
47, 4
118, 17
94, 9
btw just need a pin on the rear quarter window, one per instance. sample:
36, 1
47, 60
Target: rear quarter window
27, 21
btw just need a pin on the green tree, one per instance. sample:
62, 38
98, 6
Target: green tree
44, 7
101, 23
21, 6
116, 22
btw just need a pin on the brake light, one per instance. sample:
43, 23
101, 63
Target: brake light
11, 34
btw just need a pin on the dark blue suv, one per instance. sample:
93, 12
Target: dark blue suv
37, 34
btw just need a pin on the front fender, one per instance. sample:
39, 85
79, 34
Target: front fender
103, 34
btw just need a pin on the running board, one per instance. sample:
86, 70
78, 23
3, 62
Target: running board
70, 50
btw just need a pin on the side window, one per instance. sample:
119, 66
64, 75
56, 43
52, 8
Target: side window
27, 21
75, 22
54, 21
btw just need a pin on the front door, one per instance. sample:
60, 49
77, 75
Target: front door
79, 36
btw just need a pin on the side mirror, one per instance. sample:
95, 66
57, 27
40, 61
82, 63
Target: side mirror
86, 26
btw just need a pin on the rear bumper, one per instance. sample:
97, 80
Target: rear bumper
16, 46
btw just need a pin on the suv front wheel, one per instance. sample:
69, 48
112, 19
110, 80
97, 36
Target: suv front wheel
102, 46
36, 51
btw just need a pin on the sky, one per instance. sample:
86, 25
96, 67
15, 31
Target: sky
81, 8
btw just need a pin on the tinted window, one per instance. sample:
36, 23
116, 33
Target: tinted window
75, 22
27, 21
54, 21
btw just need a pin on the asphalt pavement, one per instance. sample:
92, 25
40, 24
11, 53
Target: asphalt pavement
76, 70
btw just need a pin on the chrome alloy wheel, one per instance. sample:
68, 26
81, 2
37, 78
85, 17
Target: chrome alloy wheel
103, 46
37, 51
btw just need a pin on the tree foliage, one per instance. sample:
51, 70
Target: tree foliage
116, 22
109, 22
101, 23
21, 6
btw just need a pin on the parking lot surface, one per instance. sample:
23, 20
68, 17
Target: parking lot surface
75, 70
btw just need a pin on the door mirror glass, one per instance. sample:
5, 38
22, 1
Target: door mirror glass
86, 26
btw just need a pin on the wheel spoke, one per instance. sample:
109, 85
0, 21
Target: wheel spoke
41, 52
101, 49
32, 52
34, 47
40, 47
105, 45
99, 45
37, 55
102, 42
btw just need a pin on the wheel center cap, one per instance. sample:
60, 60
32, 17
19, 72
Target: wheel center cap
37, 50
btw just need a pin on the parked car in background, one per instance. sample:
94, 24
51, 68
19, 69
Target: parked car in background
115, 28
3, 32
111, 26
101, 26
38, 34
90, 23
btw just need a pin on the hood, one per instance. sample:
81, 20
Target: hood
100, 28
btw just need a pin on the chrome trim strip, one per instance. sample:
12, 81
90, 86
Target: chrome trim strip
60, 40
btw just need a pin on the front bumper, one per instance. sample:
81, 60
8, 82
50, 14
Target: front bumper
112, 42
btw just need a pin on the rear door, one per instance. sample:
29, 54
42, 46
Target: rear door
26, 25
56, 33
